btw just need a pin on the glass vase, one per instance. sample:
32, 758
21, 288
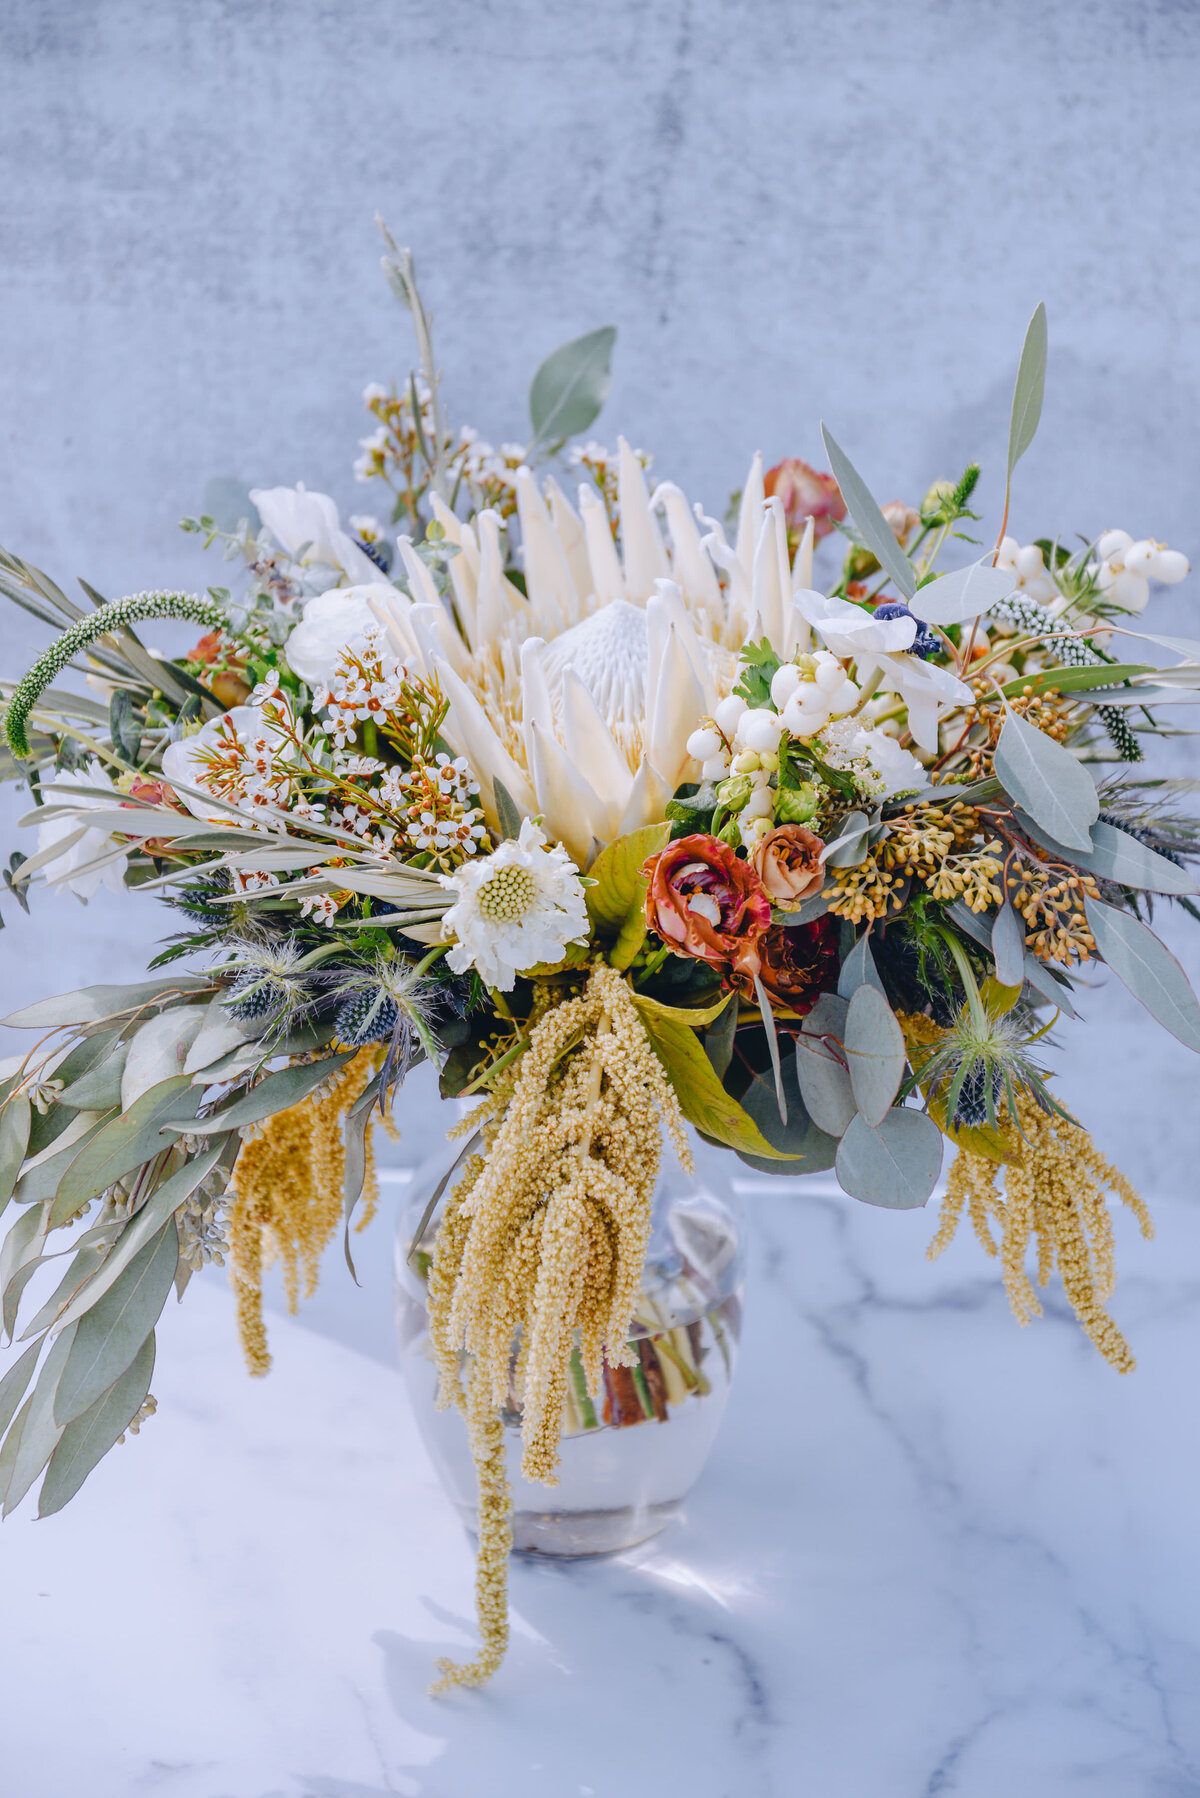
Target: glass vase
630, 1456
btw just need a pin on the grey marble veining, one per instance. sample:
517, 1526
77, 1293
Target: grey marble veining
933, 1554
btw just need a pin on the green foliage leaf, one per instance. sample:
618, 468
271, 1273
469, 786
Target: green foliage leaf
821, 1072
1143, 963
506, 810
961, 594
125, 1143
572, 385
1008, 946
875, 1053
704, 1100
1117, 856
14, 1383
91, 1004
108, 1337
895, 1165
1047, 781
14, 1138
617, 871
44, 1170
1029, 389
873, 527
812, 1150
849, 848
100, 1088
278, 1092
1075, 680
88, 1438
38, 1430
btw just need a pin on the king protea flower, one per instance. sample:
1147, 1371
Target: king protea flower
580, 697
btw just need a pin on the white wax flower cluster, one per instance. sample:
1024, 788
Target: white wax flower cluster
1125, 568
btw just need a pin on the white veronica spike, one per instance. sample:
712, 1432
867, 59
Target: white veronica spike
749, 517
690, 565
569, 528
548, 578
608, 580
641, 540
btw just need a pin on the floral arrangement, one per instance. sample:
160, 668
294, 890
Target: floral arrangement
612, 812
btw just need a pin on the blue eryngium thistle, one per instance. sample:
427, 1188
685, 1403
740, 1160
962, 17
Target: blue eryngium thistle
387, 1000
982, 1058
113, 617
268, 983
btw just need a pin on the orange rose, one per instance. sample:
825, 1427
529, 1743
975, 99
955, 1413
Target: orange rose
806, 493
226, 667
705, 902
787, 861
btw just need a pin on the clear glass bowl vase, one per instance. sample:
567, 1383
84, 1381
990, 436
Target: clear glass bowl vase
630, 1457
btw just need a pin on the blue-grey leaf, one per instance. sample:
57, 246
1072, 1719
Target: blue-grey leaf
40, 1430
14, 1139
572, 385
125, 1143
278, 1092
12, 1386
91, 1003
100, 1088
1047, 781
87, 1439
859, 967
1029, 388
873, 527
1117, 856
1008, 946
850, 846
1146, 966
801, 1136
896, 1165
1043, 982
875, 1052
963, 593
821, 1072
109, 1335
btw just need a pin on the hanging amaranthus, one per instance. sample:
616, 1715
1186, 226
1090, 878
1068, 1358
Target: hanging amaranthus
287, 1183
1057, 1194
544, 1240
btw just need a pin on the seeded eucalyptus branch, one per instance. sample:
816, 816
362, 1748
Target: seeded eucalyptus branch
113, 617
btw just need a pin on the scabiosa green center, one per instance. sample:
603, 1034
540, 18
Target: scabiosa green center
507, 895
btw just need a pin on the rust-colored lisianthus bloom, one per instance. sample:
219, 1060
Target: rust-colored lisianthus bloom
788, 863
806, 493
703, 901
796, 966
225, 682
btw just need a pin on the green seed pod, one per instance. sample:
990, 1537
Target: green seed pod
795, 805
734, 792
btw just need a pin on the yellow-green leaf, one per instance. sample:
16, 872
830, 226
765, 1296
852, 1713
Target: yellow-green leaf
704, 1100
695, 1016
620, 885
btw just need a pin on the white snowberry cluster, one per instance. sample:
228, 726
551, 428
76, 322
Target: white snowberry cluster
1027, 566
812, 690
1125, 568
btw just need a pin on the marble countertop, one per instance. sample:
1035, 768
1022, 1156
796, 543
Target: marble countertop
933, 1554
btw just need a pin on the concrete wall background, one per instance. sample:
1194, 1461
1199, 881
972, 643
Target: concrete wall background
790, 212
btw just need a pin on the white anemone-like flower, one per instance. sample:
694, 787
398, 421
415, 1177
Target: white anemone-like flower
880, 645
514, 909
64, 871
333, 622
307, 528
581, 695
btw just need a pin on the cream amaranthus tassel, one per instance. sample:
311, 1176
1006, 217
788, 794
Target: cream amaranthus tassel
544, 1239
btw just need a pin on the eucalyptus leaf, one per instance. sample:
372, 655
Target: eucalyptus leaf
875, 1053
1008, 946
158, 1050
108, 1337
1144, 694
821, 1072
145, 1225
506, 810
86, 1259
100, 1088
849, 848
859, 968
14, 1137
807, 912
14, 1383
1047, 781
278, 1092
87, 1438
1043, 982
40, 1430
354, 1133
44, 1171
813, 1151
1143, 963
962, 594
124, 1144
895, 1165
90, 1004
873, 527
20, 1253
1119, 857
1075, 680
1029, 389
572, 385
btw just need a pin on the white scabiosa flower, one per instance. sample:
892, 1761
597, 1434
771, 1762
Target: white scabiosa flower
514, 909
70, 871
